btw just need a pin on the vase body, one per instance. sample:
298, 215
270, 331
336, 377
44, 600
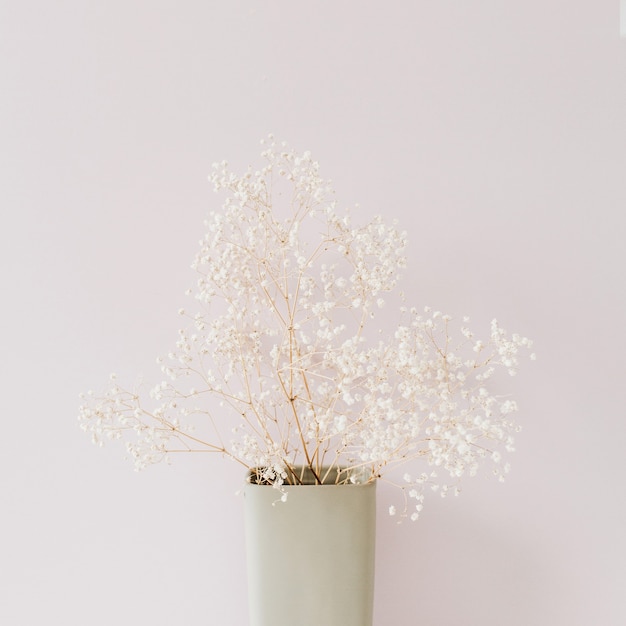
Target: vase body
311, 558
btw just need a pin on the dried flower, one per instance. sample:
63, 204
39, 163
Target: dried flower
287, 295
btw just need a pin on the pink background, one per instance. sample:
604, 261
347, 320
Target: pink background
495, 131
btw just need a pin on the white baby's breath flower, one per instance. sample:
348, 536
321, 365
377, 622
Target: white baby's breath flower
281, 364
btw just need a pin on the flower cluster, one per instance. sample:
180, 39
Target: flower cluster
282, 354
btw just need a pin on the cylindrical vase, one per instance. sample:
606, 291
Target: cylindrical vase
310, 558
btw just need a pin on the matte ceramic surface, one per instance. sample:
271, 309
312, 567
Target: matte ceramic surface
311, 558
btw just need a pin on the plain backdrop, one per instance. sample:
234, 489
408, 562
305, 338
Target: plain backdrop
494, 131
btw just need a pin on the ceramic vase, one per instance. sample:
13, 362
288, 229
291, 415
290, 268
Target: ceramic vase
310, 559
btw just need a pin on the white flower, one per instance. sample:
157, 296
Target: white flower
282, 361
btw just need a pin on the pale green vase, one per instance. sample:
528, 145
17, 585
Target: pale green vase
311, 559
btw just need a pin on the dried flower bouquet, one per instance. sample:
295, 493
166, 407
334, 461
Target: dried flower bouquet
283, 362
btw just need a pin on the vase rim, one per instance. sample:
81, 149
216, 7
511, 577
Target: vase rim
304, 476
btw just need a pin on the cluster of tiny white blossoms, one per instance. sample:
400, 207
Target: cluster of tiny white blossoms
279, 356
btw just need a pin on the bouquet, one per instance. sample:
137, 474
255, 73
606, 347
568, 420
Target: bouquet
287, 359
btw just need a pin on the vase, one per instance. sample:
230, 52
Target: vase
310, 558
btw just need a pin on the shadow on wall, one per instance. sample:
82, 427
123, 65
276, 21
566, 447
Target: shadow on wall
452, 569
